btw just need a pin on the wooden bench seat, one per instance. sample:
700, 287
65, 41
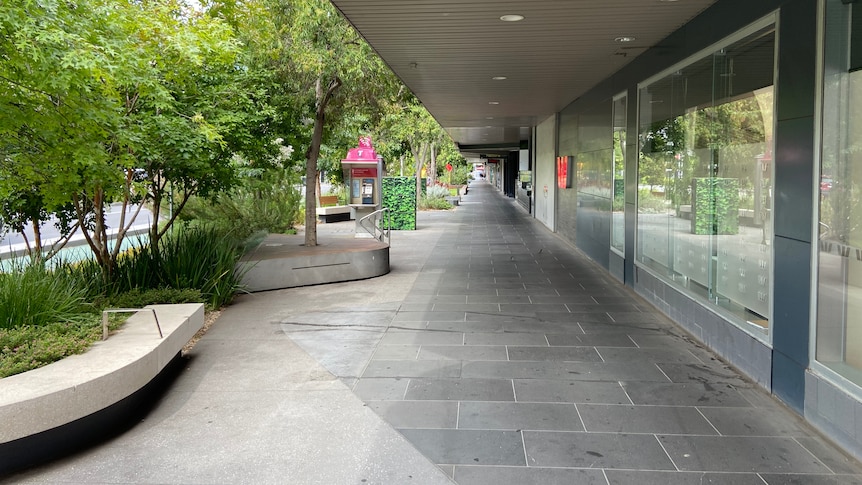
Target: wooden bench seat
330, 211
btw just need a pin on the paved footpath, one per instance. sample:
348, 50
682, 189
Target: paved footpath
493, 350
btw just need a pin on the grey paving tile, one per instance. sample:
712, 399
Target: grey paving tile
468, 447
595, 450
532, 308
594, 340
490, 325
396, 352
567, 354
515, 285
460, 390
643, 477
478, 475
417, 414
629, 329
420, 298
501, 318
580, 371
637, 317
661, 341
688, 394
505, 338
468, 291
421, 337
519, 416
601, 308
416, 325
463, 352
565, 299
712, 373
498, 299
649, 355
536, 325
644, 419
589, 317
754, 422
467, 307
740, 454
381, 389
550, 390
827, 454
799, 479
420, 294
427, 316
615, 299
412, 368
539, 291
416, 307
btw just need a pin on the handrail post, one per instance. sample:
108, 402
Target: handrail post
375, 231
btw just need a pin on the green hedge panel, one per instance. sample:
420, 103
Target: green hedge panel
399, 196
715, 206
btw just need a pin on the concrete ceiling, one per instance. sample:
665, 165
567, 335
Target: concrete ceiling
448, 53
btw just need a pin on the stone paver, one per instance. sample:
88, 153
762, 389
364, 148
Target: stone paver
498, 351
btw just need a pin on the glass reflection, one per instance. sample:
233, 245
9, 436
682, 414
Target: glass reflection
704, 177
618, 223
839, 307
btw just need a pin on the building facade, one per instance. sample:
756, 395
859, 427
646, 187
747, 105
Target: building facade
719, 175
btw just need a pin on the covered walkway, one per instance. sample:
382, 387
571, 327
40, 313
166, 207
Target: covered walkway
493, 348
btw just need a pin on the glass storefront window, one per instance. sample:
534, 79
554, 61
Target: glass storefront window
618, 223
839, 292
704, 177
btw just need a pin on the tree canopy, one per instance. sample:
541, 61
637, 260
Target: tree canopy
144, 102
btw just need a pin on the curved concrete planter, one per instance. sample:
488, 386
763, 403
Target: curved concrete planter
81, 386
281, 261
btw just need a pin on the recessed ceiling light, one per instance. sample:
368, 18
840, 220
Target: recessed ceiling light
512, 18
493, 102
499, 78
624, 38
489, 117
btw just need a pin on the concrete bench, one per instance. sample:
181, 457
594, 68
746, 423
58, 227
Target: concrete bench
453, 199
53, 409
330, 211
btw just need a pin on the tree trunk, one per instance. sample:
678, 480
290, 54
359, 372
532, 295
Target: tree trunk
433, 162
36, 252
419, 156
311, 157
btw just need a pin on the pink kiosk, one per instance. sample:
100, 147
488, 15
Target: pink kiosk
363, 172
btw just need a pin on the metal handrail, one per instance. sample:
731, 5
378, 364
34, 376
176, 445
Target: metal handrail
382, 234
127, 310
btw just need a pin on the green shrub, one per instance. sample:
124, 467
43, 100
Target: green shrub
193, 256
651, 203
32, 295
435, 203
270, 202
437, 192
28, 347
203, 258
139, 298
